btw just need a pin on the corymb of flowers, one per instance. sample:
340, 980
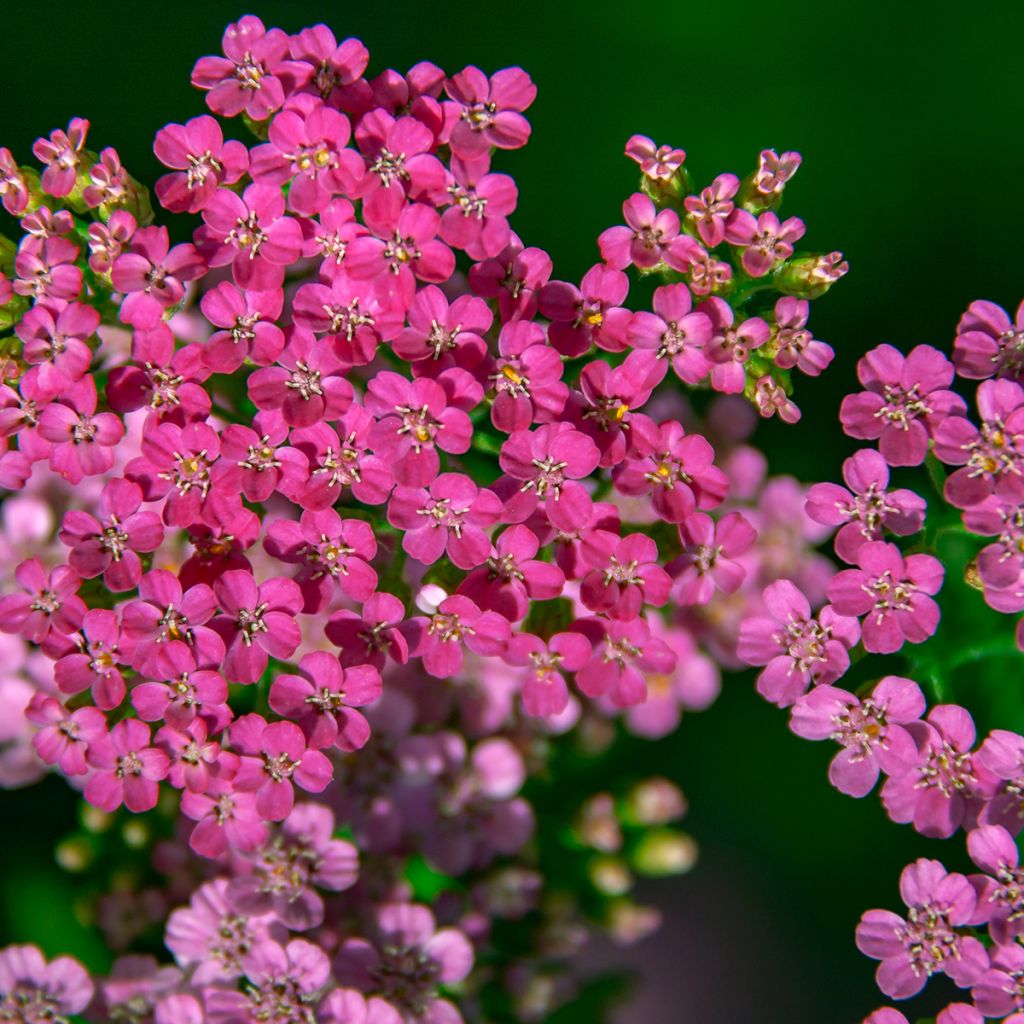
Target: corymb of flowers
342, 541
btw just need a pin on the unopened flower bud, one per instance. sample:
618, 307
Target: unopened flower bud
628, 922
655, 801
74, 853
665, 852
763, 189
809, 277
598, 824
610, 875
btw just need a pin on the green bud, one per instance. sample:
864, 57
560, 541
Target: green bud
665, 852
655, 801
74, 853
610, 875
809, 277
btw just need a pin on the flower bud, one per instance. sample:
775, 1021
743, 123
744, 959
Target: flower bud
598, 825
629, 922
655, 801
610, 875
665, 852
809, 277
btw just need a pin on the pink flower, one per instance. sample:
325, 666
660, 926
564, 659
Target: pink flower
82, 439
64, 737
258, 622
252, 233
764, 241
649, 237
447, 335
439, 638
709, 561
128, 769
988, 343
192, 755
622, 653
926, 942
321, 699
513, 576
675, 468
108, 241
49, 602
730, 346
870, 731
1000, 990
488, 112
13, 186
892, 592
867, 509
450, 516
152, 275
333, 66
94, 665
334, 553
625, 575
477, 220
225, 819
400, 153
44, 991
62, 154
773, 171
110, 547
548, 462
589, 315
55, 344
276, 755
796, 346
674, 332
256, 464
307, 149
349, 1006
200, 159
905, 401
992, 455
415, 418
796, 647
544, 690
248, 331
945, 784
1001, 755
185, 692
46, 269
372, 637
514, 278
528, 385
1000, 895
253, 74
659, 163
709, 211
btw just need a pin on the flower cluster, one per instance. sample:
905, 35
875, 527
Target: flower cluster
901, 549
358, 509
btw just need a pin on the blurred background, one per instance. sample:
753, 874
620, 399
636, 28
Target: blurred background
909, 120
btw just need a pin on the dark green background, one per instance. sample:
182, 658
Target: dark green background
909, 118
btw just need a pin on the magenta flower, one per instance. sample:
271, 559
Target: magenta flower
870, 731
108, 241
796, 345
770, 398
167, 617
415, 418
94, 665
110, 547
192, 755
527, 384
709, 211
440, 637
350, 1006
55, 345
764, 241
622, 653
258, 622
13, 186
988, 343
39, 991
449, 516
477, 220
448, 335
1001, 755
200, 160
892, 592
403, 934
128, 769
488, 112
867, 508
334, 553
256, 464
46, 269
514, 277
48, 602
946, 784
625, 575
730, 345
999, 992
64, 737
675, 468
773, 171
175, 463
253, 75
83, 439
548, 462
333, 66
247, 328
62, 155
659, 163
926, 942
544, 692
710, 558
991, 456
648, 238
403, 242
225, 819
252, 233
185, 693
905, 401
152, 275
674, 333
321, 699
307, 149
512, 576
797, 648
1000, 893
400, 152
276, 756
372, 637
589, 315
